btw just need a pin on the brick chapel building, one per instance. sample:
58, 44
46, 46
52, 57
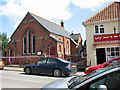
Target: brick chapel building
37, 36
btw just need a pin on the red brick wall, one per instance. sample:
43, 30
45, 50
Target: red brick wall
41, 37
42, 40
74, 48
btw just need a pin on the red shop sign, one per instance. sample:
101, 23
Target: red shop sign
107, 37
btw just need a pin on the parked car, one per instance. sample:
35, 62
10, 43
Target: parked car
1, 64
55, 66
95, 67
98, 80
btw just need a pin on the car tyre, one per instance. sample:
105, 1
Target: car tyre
57, 73
27, 70
66, 75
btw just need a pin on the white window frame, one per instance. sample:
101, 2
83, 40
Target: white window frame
28, 40
32, 45
114, 47
23, 45
99, 28
60, 48
67, 47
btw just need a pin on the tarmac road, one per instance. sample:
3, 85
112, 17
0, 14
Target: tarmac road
17, 79
13, 78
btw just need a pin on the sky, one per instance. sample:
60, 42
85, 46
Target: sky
72, 12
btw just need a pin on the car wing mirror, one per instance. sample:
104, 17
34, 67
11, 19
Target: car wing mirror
102, 87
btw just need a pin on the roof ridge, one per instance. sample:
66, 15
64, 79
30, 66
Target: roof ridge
101, 10
45, 19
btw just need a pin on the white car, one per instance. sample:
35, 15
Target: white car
98, 80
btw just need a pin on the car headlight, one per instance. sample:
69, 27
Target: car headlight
87, 69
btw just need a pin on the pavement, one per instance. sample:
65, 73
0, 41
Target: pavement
16, 68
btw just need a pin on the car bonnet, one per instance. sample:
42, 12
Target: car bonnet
62, 83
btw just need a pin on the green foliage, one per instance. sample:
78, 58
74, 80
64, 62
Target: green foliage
3, 41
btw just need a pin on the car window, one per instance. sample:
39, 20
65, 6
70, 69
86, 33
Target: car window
63, 60
110, 81
42, 61
51, 61
114, 60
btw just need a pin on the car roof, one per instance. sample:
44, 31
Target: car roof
97, 75
112, 59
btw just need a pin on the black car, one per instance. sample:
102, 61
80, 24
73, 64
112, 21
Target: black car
54, 66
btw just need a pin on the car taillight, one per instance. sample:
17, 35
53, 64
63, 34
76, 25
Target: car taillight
68, 66
2, 63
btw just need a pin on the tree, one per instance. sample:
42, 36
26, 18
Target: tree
3, 43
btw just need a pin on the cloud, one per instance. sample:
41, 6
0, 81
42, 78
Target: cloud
49, 9
90, 4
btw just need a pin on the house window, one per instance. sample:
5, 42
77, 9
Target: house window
67, 47
33, 44
29, 41
59, 48
112, 52
99, 29
24, 45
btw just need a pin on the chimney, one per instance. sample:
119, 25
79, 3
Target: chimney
62, 23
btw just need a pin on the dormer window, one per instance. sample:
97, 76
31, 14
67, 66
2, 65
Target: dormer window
99, 29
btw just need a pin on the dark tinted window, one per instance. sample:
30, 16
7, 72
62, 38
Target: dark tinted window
42, 61
63, 60
110, 81
51, 60
24, 43
33, 44
114, 60
96, 29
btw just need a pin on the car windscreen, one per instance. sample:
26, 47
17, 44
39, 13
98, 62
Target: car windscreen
84, 77
90, 75
63, 60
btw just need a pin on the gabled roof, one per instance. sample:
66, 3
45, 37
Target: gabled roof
75, 36
51, 27
56, 39
110, 12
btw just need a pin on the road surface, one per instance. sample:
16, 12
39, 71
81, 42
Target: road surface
16, 79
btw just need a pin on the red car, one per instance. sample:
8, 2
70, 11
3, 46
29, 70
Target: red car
95, 67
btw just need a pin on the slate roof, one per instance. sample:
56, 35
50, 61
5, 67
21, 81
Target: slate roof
55, 38
75, 36
51, 27
110, 12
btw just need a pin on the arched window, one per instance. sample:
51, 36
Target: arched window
67, 47
59, 48
24, 45
33, 44
29, 41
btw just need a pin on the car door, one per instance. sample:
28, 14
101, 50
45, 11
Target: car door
50, 65
39, 66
